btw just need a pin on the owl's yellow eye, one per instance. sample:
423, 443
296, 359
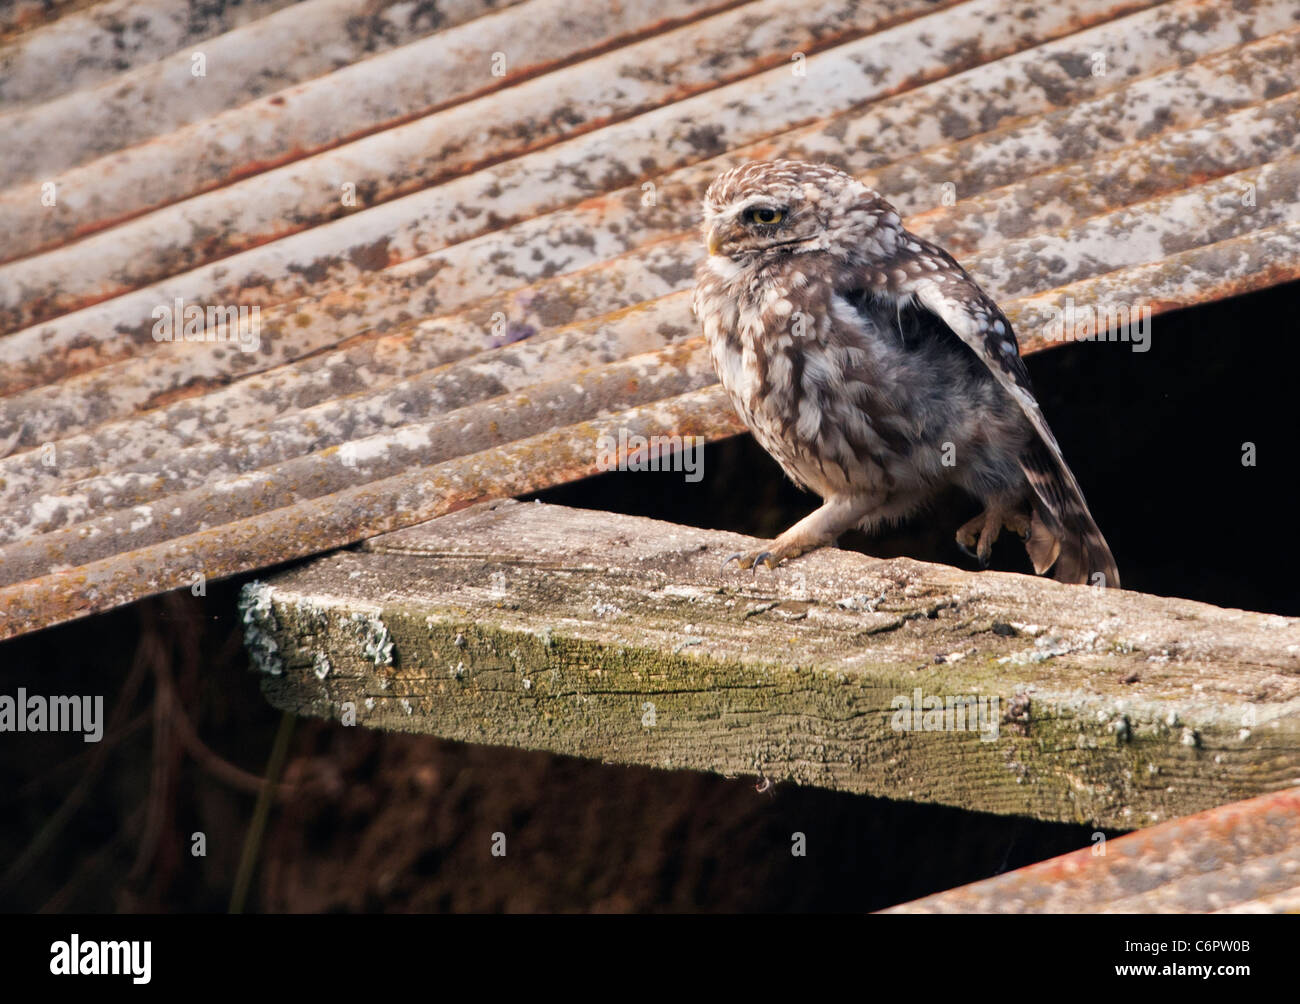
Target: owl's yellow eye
765, 215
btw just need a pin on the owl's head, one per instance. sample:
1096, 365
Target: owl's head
769, 207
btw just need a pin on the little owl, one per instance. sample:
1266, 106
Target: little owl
876, 372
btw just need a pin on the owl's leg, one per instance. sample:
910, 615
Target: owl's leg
982, 531
818, 529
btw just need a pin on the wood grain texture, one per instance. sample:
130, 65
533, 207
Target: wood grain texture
622, 639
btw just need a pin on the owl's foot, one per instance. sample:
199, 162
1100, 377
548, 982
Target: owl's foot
770, 556
982, 532
818, 529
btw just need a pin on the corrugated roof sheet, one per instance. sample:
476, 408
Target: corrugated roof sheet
469, 229
1237, 858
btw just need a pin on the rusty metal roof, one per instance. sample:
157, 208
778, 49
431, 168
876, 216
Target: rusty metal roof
1243, 857
469, 231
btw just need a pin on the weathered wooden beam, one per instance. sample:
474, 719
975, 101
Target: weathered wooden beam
623, 639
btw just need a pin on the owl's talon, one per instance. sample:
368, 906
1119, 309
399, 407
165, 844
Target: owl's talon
981, 559
1017, 523
753, 559
982, 531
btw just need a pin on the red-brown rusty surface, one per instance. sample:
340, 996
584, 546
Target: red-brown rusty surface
109, 37
289, 46
514, 275
669, 136
399, 91
367, 509
22, 15
333, 259
1237, 858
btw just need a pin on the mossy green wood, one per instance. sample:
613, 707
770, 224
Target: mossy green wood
619, 638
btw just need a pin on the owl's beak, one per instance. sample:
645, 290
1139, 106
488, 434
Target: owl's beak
715, 241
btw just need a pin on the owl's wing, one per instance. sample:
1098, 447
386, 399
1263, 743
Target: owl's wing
1078, 548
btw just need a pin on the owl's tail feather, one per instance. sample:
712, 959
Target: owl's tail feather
1075, 555
1063, 538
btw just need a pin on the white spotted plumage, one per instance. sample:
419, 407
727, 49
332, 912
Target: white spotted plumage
876, 371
